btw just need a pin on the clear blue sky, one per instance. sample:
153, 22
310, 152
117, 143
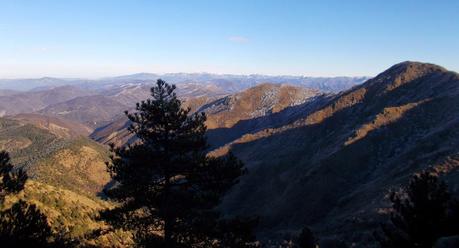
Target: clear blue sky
315, 38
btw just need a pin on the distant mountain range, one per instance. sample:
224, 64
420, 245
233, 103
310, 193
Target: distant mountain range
226, 82
96, 103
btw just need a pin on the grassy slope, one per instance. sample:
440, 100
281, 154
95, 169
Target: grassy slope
71, 214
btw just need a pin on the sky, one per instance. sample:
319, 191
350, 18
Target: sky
313, 38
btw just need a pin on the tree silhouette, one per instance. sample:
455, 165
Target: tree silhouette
12, 181
453, 217
307, 239
21, 225
24, 225
237, 232
420, 213
165, 181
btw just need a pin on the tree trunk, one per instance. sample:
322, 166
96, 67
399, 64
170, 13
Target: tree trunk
168, 218
167, 233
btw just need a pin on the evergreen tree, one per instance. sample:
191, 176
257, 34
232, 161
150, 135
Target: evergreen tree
420, 213
22, 225
453, 218
237, 232
165, 180
11, 182
307, 239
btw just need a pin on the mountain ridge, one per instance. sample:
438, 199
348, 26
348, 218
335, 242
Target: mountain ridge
394, 125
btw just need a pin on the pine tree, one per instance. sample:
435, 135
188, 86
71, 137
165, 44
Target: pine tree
420, 213
165, 180
12, 182
21, 225
307, 239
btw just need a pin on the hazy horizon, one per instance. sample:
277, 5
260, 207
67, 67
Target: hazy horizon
178, 72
